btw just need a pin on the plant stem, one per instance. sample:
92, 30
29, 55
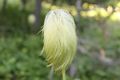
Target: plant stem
63, 74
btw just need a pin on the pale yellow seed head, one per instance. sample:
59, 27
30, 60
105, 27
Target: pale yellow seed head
59, 39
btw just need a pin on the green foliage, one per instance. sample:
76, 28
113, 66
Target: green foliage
20, 50
20, 58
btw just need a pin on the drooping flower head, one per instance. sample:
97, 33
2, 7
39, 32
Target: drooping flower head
59, 39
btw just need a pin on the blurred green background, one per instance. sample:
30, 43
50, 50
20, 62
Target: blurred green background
98, 30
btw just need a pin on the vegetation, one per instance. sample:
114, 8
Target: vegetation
98, 40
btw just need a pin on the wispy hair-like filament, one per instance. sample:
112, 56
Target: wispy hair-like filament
59, 39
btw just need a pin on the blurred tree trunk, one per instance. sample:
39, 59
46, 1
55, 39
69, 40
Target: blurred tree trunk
23, 4
72, 70
51, 74
71, 2
37, 16
24, 17
4, 5
78, 7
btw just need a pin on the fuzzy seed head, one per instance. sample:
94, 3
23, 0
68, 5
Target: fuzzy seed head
59, 39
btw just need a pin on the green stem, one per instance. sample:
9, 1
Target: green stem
63, 74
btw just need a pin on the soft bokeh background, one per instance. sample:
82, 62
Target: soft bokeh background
98, 30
